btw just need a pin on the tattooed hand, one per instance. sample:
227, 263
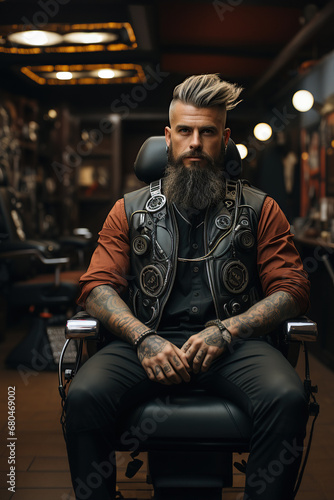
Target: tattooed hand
202, 348
163, 361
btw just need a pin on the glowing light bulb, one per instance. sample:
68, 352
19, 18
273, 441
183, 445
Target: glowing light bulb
303, 100
263, 131
106, 73
64, 75
35, 38
90, 37
52, 113
243, 151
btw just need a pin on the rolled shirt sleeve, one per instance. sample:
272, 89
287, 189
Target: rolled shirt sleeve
110, 261
279, 264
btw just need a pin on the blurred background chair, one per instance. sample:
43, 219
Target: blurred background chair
39, 280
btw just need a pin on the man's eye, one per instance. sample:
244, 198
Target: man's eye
184, 130
208, 131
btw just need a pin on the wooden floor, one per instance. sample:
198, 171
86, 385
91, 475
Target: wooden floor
40, 454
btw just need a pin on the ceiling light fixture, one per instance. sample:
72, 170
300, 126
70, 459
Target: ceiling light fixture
67, 38
85, 74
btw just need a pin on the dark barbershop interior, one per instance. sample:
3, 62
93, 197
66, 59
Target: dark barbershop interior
85, 91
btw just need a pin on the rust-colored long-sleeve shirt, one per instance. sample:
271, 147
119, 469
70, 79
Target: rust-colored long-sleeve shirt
279, 264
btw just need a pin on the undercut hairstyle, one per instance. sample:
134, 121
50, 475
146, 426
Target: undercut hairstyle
206, 91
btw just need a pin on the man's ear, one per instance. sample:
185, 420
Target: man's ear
168, 135
227, 133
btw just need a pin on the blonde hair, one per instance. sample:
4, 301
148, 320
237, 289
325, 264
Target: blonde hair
206, 91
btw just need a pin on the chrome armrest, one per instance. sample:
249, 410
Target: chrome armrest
300, 329
82, 326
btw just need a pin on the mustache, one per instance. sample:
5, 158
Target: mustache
195, 154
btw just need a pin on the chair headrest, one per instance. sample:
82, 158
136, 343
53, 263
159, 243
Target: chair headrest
151, 160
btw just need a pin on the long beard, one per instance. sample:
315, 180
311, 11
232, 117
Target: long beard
194, 187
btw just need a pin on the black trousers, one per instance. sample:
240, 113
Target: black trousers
254, 375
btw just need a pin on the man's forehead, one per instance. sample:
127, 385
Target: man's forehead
182, 113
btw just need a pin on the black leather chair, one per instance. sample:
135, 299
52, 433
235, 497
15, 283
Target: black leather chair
19, 234
190, 436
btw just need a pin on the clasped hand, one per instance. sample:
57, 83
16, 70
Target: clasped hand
167, 364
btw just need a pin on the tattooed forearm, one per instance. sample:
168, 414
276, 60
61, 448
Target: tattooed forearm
105, 304
264, 316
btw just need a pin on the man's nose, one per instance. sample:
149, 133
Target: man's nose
195, 142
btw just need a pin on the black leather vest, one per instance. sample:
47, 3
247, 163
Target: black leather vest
230, 235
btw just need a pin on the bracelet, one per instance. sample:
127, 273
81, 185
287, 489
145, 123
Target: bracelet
225, 333
143, 336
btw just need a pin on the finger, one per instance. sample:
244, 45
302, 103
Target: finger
160, 376
207, 363
198, 360
190, 354
183, 357
180, 368
170, 374
187, 351
150, 373
185, 347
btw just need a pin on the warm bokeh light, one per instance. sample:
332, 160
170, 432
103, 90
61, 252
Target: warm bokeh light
64, 75
106, 73
35, 38
303, 100
89, 37
52, 113
263, 131
243, 151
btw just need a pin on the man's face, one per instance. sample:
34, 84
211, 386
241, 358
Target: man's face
194, 177
195, 133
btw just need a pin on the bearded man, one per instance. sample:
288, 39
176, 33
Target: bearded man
184, 249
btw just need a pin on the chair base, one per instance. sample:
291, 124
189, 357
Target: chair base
172, 474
